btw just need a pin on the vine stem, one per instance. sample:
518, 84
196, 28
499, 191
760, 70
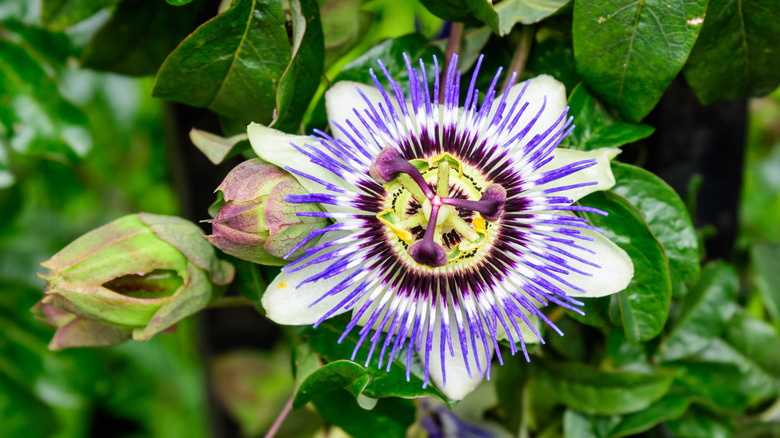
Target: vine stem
453, 45
521, 55
280, 419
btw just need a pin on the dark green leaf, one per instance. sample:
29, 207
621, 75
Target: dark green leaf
249, 282
596, 313
756, 340
705, 312
341, 374
595, 128
56, 15
554, 56
668, 408
668, 219
511, 387
390, 52
724, 378
766, 276
302, 76
644, 304
139, 35
629, 51
626, 356
579, 425
736, 54
389, 419
594, 391
178, 2
37, 120
232, 64
380, 383
697, 423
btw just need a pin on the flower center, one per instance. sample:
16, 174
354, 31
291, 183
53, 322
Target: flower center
436, 209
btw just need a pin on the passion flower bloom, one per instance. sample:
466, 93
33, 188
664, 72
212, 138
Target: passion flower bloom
452, 226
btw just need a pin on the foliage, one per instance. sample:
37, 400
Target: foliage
89, 132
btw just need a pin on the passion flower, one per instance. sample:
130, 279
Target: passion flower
452, 226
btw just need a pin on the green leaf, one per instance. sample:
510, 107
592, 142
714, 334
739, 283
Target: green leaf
178, 2
36, 119
766, 276
596, 313
232, 64
644, 304
502, 16
57, 15
668, 408
332, 377
626, 356
363, 382
579, 425
736, 54
722, 377
705, 312
756, 340
668, 219
389, 419
629, 51
554, 56
697, 423
139, 35
344, 24
249, 281
390, 52
595, 128
594, 391
300, 80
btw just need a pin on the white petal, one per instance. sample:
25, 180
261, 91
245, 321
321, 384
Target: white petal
276, 148
600, 173
458, 384
529, 337
287, 305
539, 88
615, 273
340, 101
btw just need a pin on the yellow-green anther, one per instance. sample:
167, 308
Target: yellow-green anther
443, 179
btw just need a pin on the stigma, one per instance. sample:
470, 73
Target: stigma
436, 209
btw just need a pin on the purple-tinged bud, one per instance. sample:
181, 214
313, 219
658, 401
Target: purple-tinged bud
255, 223
131, 278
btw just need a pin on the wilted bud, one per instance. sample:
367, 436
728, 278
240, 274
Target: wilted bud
256, 223
133, 277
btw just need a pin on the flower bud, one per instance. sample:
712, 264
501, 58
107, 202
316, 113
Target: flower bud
256, 223
133, 277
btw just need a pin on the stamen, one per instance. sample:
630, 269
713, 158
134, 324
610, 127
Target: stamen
490, 206
389, 163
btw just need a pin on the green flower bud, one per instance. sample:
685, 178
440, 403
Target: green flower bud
77, 331
139, 275
256, 223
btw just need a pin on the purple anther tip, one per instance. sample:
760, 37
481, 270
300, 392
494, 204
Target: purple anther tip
497, 195
428, 253
387, 165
